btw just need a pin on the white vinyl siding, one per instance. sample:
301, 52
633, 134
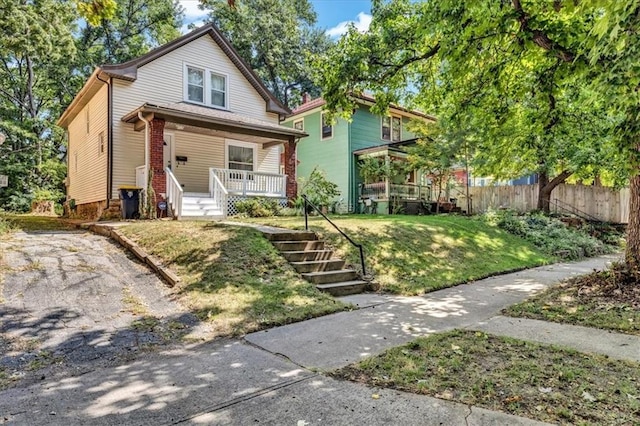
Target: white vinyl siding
87, 138
162, 81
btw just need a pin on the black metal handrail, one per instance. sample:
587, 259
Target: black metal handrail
574, 210
306, 227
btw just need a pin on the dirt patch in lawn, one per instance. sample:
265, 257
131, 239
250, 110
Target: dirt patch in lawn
607, 299
541, 382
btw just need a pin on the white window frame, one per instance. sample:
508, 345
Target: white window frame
321, 132
301, 120
241, 144
206, 86
390, 117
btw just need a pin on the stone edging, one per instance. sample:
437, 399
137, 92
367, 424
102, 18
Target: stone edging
153, 262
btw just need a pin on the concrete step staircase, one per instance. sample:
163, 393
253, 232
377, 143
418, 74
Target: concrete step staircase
200, 206
315, 263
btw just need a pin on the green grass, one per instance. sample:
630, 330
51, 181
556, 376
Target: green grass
29, 223
231, 276
415, 254
541, 382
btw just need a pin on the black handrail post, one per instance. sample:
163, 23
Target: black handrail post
362, 260
306, 220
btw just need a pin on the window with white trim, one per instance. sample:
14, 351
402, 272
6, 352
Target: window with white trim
206, 87
326, 127
391, 128
299, 124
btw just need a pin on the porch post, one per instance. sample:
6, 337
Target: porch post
290, 169
156, 161
387, 186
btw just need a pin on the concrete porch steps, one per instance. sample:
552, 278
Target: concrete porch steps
316, 264
200, 206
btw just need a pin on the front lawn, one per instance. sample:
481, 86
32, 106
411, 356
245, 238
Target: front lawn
231, 276
541, 382
30, 223
416, 254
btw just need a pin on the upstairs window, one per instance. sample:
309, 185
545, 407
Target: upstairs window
327, 128
203, 86
195, 85
299, 124
218, 90
391, 129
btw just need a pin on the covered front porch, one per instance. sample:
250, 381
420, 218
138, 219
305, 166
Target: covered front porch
200, 161
388, 185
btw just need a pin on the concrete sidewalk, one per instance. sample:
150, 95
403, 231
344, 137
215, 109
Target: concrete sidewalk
270, 377
383, 322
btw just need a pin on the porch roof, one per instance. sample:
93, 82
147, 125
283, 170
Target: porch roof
186, 116
393, 147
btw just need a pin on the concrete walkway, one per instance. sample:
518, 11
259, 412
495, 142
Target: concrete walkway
271, 377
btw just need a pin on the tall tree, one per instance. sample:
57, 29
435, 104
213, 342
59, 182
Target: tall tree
522, 62
277, 38
36, 45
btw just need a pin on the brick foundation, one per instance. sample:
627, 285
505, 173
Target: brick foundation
89, 211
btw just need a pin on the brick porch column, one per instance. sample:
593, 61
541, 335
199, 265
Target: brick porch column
290, 169
156, 161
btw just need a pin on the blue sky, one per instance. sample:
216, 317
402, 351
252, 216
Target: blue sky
333, 15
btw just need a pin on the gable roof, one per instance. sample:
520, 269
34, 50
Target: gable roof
129, 71
361, 99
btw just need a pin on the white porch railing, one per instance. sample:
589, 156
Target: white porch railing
174, 194
218, 192
246, 183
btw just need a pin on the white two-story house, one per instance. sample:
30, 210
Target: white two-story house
190, 120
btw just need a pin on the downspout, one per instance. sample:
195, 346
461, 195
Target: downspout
146, 157
109, 137
146, 143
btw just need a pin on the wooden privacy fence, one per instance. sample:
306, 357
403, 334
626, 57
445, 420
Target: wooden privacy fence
603, 203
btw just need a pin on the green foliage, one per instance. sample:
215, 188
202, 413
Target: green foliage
95, 11
47, 195
318, 188
277, 38
258, 207
376, 169
548, 234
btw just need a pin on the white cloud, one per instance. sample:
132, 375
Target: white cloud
362, 22
192, 14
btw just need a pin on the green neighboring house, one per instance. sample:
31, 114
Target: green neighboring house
339, 149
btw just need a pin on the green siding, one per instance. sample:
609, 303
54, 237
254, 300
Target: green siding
334, 156
329, 155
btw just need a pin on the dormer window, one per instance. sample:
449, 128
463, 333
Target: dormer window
203, 86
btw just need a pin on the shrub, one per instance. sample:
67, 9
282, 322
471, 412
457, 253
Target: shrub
548, 234
258, 207
318, 188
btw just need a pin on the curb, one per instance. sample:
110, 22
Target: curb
152, 262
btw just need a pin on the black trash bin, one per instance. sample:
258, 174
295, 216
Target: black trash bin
130, 201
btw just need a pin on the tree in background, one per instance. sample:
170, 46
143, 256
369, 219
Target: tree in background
277, 38
517, 68
36, 45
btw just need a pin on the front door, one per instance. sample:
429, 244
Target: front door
168, 152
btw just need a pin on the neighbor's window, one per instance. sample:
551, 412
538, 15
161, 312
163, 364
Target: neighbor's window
327, 128
218, 90
391, 128
240, 158
299, 124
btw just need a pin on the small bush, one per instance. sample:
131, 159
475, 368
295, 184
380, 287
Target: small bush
5, 226
549, 235
258, 207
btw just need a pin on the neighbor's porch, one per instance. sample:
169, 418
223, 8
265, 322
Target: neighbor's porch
392, 188
202, 161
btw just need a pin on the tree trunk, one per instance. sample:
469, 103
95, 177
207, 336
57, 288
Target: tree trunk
632, 253
547, 186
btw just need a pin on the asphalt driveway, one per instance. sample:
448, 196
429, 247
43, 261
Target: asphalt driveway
74, 301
